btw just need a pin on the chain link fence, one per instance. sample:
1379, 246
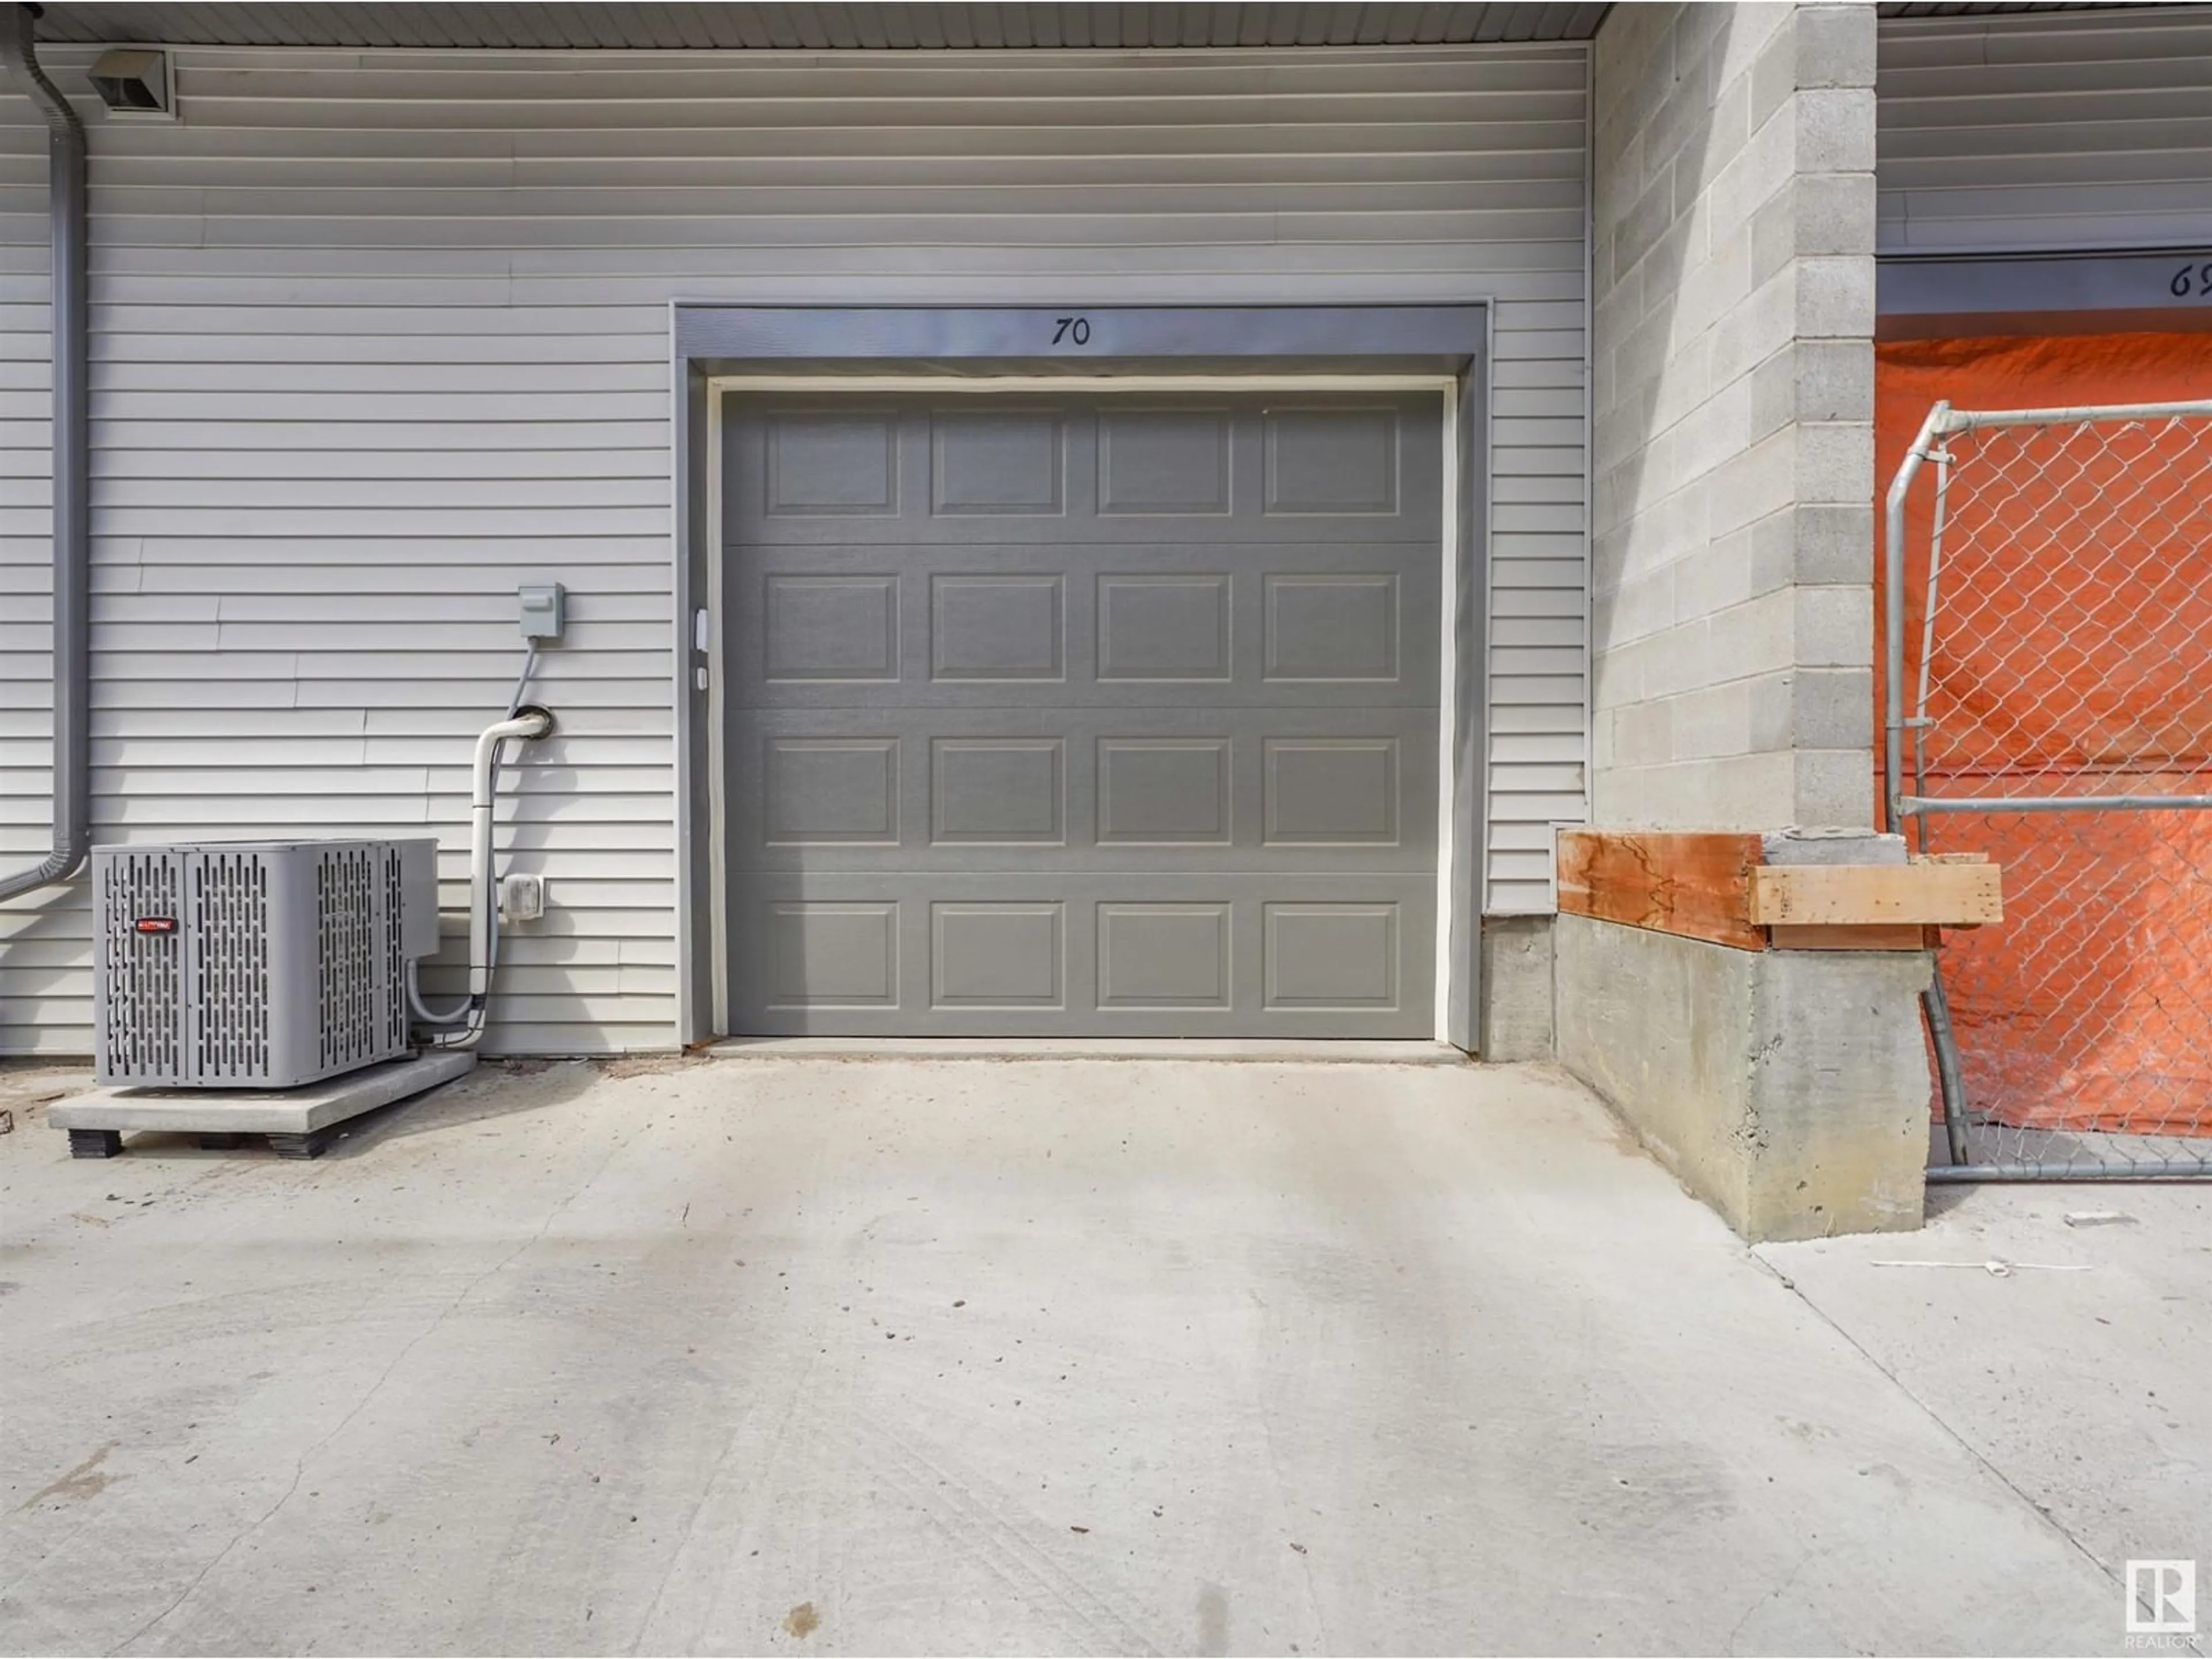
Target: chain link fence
2048, 687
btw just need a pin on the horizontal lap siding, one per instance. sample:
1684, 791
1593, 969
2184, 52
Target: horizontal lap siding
43, 986
2046, 134
378, 336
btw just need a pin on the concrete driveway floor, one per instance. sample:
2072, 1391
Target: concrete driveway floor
850, 1357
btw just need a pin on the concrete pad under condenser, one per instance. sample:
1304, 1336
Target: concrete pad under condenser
300, 1111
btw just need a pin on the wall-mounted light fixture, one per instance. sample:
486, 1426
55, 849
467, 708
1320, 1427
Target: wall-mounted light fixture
134, 82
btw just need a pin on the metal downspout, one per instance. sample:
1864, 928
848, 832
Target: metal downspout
71, 468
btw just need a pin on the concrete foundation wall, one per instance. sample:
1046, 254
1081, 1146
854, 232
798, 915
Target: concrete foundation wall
1733, 399
1517, 988
1788, 1089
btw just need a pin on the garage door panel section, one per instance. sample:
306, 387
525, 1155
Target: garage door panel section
1245, 791
1081, 714
1338, 469
836, 463
1273, 623
998, 625
828, 629
821, 954
1145, 954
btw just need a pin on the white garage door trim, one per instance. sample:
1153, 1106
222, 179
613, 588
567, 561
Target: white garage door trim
1447, 387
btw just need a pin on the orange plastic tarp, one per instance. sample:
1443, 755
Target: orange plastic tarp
2089, 1005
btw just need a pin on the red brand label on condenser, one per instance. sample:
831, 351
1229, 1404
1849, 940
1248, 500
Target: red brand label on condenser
155, 924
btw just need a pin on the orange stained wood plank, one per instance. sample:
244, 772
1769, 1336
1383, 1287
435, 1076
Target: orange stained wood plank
1695, 883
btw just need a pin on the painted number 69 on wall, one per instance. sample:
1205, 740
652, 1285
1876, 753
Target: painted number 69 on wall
2192, 281
1071, 330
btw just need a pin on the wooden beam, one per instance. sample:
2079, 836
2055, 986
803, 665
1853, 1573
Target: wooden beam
1688, 882
1868, 895
1893, 936
1714, 885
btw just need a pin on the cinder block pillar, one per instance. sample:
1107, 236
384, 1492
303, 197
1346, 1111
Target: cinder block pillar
1732, 573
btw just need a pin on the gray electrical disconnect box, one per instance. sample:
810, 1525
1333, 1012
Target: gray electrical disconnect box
545, 609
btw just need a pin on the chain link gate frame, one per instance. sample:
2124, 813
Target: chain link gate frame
2062, 719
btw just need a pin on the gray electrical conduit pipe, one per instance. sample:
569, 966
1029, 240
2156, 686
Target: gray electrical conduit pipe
72, 788
530, 724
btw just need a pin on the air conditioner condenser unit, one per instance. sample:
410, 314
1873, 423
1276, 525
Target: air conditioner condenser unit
258, 965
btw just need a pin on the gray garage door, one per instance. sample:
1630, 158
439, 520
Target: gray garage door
1083, 716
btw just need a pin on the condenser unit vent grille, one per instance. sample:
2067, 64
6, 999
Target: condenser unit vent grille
346, 956
259, 964
230, 949
142, 980
395, 945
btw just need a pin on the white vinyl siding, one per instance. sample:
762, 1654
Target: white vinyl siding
2057, 133
42, 948
378, 336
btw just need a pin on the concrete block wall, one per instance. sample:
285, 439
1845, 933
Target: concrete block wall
1734, 402
1733, 619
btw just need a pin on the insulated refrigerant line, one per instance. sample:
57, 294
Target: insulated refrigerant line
529, 723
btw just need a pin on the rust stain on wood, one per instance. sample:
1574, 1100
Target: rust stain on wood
1694, 883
